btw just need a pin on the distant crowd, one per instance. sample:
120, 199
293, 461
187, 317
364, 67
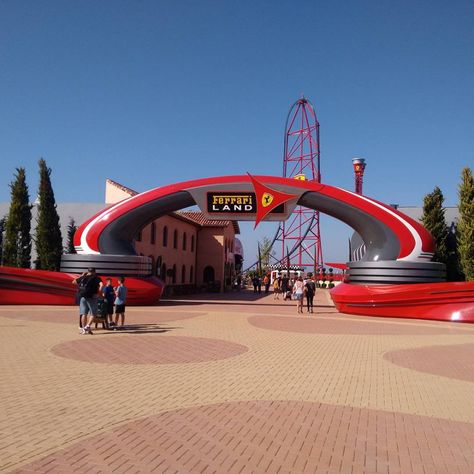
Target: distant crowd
298, 289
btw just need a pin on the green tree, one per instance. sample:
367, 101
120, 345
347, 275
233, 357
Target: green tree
2, 230
453, 267
434, 221
71, 230
49, 245
17, 244
265, 246
466, 224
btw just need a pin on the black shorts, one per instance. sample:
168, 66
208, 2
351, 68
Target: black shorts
110, 307
119, 308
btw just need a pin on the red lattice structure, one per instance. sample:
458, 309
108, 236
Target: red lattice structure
300, 234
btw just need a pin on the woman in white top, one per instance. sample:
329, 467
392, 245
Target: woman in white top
298, 291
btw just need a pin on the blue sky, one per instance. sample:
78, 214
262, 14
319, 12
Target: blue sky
154, 92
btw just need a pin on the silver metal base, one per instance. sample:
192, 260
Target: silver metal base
108, 265
395, 272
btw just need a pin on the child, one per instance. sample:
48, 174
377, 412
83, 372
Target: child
120, 300
109, 295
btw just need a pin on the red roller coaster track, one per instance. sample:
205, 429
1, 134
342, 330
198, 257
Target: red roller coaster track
300, 235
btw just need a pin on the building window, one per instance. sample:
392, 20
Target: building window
165, 237
175, 239
174, 275
208, 274
159, 261
139, 236
183, 274
152, 258
192, 243
153, 233
185, 237
163, 272
191, 274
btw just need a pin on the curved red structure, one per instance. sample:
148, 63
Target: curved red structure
395, 278
25, 286
112, 230
453, 301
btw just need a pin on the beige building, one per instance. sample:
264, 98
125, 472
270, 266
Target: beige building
188, 251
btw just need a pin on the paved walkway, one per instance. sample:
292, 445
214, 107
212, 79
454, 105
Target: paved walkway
235, 383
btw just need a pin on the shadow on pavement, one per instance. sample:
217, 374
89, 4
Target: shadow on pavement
231, 303
140, 329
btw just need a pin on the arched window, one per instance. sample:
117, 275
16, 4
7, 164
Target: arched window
159, 261
208, 274
163, 271
191, 274
175, 239
183, 274
165, 236
192, 243
174, 275
153, 233
152, 258
184, 240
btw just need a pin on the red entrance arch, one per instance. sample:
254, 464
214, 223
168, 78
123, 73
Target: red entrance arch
395, 277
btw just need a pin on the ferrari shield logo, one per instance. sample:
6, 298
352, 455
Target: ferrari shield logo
267, 199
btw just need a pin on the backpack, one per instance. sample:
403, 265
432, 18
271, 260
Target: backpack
88, 286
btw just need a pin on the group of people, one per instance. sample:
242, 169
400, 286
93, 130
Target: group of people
90, 290
297, 289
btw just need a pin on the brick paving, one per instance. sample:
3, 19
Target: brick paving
312, 324
455, 361
148, 350
235, 383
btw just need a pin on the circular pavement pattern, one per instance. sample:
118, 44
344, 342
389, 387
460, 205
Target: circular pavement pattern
147, 349
454, 361
314, 325
272, 436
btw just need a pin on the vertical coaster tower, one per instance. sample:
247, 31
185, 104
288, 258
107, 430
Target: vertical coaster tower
300, 234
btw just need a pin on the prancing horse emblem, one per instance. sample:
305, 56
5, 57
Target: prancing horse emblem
267, 199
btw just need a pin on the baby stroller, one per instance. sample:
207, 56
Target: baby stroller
102, 313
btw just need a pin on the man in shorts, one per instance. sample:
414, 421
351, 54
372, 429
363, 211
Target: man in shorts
89, 287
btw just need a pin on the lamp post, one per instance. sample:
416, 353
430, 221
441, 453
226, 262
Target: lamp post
359, 168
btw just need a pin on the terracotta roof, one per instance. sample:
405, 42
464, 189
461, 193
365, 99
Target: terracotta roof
199, 218
132, 192
193, 217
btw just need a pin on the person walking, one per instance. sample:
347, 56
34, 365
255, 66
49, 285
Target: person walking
266, 283
298, 290
276, 288
284, 286
310, 291
255, 283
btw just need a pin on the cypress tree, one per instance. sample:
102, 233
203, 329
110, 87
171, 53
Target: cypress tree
71, 230
49, 245
17, 244
434, 221
453, 267
466, 224
2, 230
